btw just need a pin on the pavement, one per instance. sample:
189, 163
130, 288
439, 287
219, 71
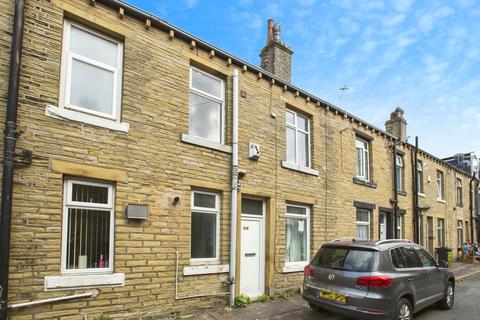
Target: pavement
295, 308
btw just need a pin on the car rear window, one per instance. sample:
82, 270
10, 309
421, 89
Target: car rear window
345, 259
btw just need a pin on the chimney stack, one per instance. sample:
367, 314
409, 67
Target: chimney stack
397, 125
276, 56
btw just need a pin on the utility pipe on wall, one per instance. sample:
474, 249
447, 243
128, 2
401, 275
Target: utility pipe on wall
9, 152
472, 232
395, 192
233, 208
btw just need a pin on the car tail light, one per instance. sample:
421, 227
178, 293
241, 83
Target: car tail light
375, 281
308, 271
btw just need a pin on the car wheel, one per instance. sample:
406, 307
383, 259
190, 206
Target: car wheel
447, 302
404, 310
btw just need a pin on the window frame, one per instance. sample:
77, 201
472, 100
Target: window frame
400, 223
206, 210
420, 177
365, 147
363, 223
440, 183
459, 192
307, 227
208, 96
460, 229
296, 130
399, 165
66, 72
67, 203
440, 232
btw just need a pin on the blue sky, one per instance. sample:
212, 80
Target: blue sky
421, 55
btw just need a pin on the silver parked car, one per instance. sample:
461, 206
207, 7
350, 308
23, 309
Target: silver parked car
386, 279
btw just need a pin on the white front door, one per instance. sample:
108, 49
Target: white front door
383, 226
252, 253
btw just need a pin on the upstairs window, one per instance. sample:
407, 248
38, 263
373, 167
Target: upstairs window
88, 222
459, 193
363, 159
207, 104
91, 72
399, 172
440, 184
419, 176
298, 139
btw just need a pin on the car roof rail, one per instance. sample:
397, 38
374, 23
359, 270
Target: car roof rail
343, 239
393, 241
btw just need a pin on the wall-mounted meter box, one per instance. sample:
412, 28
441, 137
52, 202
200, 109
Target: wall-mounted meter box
137, 211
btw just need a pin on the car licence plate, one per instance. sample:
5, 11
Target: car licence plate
340, 298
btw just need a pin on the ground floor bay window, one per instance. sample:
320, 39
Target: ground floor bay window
88, 222
297, 235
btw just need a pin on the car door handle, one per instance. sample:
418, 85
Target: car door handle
251, 254
410, 279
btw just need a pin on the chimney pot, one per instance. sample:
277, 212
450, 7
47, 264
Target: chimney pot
276, 56
397, 125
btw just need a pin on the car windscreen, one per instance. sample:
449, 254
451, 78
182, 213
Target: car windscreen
350, 259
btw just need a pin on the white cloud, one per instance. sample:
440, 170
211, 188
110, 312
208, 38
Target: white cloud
190, 3
428, 20
402, 5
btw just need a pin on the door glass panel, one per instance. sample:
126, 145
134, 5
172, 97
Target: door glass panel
251, 206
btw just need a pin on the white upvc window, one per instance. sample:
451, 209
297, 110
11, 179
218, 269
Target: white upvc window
441, 232
400, 219
206, 106
363, 224
205, 227
88, 227
297, 139
91, 72
440, 184
399, 172
459, 192
363, 159
419, 176
460, 233
297, 235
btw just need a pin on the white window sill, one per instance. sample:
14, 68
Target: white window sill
205, 269
421, 195
205, 143
297, 267
441, 201
296, 167
84, 281
66, 114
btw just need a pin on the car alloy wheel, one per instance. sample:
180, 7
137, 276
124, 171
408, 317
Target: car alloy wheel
404, 312
449, 299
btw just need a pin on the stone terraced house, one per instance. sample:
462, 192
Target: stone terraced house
156, 173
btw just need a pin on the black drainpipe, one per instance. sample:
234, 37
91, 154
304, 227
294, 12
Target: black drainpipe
472, 234
395, 193
9, 153
416, 224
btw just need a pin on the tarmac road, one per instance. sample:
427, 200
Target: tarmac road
466, 307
